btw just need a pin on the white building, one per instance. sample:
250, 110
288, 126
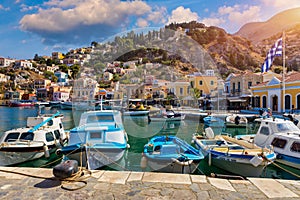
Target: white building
61, 96
4, 78
84, 89
23, 64
6, 62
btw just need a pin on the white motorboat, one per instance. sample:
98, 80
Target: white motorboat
280, 134
99, 140
169, 115
42, 136
236, 121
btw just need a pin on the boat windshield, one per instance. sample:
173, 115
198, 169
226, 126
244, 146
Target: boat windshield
100, 118
284, 127
117, 137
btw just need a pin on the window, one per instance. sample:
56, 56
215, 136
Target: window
264, 101
57, 134
211, 82
287, 102
279, 143
95, 135
27, 136
233, 87
100, 118
181, 91
12, 137
200, 83
49, 137
249, 85
264, 130
296, 147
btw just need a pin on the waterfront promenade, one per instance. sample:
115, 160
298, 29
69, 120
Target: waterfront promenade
39, 183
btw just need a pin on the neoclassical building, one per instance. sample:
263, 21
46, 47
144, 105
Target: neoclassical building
270, 94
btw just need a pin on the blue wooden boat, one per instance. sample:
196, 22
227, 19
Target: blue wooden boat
170, 154
212, 121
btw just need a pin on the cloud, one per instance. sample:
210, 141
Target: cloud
3, 8
181, 14
142, 22
79, 22
281, 4
212, 21
233, 17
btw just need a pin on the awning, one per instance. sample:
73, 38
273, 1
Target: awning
237, 100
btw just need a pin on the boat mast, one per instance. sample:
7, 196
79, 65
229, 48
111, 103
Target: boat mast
283, 70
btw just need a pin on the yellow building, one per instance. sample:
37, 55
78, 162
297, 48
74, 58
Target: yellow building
270, 94
205, 84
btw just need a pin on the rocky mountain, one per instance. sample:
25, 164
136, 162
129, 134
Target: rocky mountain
244, 50
258, 31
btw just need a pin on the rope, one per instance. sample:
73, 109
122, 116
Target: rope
288, 171
77, 177
284, 169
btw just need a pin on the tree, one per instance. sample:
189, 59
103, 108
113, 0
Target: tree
75, 70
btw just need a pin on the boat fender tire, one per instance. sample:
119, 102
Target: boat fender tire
144, 162
66, 169
182, 163
46, 151
58, 152
63, 141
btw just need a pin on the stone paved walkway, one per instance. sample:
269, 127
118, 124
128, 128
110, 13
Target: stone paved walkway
140, 185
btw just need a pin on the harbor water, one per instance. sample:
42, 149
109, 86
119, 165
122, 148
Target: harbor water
140, 130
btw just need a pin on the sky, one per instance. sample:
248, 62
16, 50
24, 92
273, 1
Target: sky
29, 27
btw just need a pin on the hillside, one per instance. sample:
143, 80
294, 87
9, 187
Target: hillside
258, 31
230, 53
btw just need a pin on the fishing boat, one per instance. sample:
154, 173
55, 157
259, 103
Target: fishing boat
212, 121
66, 105
99, 140
170, 154
169, 115
54, 104
136, 113
41, 137
21, 103
232, 155
236, 121
281, 135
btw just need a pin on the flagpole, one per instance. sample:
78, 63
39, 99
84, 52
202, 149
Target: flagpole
283, 70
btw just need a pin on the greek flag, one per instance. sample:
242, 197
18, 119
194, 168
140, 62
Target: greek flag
276, 50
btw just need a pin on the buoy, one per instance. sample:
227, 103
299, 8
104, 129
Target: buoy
144, 162
58, 152
46, 151
209, 159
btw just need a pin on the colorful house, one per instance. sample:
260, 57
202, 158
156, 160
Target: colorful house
206, 83
278, 95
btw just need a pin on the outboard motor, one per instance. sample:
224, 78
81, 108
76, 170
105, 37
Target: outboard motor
237, 120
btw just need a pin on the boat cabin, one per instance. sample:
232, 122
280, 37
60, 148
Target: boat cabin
282, 135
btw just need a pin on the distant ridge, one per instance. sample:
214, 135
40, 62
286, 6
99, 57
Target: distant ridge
258, 31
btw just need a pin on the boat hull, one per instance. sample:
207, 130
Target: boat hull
136, 113
239, 167
13, 156
288, 161
172, 167
95, 157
